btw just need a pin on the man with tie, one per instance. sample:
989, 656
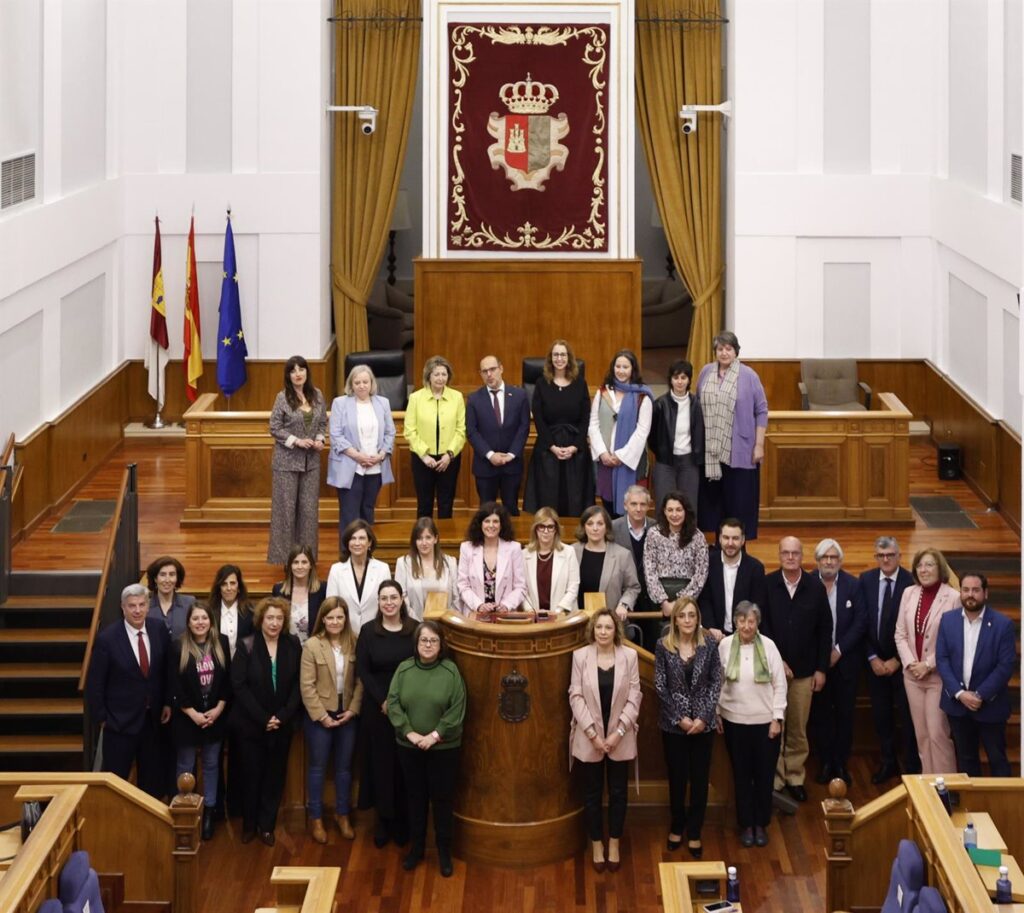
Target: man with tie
733, 576
881, 590
976, 653
125, 688
497, 423
833, 707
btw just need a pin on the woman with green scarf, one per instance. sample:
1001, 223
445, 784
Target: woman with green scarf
750, 713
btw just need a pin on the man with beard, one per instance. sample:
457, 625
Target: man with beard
733, 576
976, 653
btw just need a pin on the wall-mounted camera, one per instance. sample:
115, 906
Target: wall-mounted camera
367, 115
688, 114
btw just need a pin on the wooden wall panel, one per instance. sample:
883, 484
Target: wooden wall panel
1009, 475
466, 309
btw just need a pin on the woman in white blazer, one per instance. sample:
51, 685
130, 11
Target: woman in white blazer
491, 575
552, 571
425, 569
604, 694
358, 575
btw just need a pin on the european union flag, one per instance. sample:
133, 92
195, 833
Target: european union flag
231, 349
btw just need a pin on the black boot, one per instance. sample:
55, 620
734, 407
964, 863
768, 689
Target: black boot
209, 816
413, 858
444, 861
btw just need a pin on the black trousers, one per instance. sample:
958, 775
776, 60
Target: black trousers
121, 751
429, 483
688, 759
264, 763
888, 708
736, 494
430, 778
593, 775
753, 757
831, 723
967, 733
506, 484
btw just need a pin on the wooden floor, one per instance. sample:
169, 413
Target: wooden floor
787, 875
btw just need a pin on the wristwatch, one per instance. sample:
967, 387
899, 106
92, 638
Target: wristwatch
621, 731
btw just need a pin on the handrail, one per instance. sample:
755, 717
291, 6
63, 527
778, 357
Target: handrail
8, 451
6, 554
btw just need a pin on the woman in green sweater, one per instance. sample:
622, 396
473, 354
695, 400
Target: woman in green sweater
426, 705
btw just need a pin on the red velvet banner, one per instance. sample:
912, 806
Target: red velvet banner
527, 138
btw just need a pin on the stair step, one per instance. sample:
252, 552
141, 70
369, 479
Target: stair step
50, 602
36, 706
43, 635
10, 671
40, 744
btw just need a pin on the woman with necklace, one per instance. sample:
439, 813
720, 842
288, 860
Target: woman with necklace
383, 645
357, 576
688, 680
917, 630
561, 473
552, 571
298, 424
332, 696
605, 566
165, 577
491, 575
604, 694
302, 588
426, 569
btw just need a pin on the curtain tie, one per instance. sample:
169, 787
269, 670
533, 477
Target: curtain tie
712, 289
344, 285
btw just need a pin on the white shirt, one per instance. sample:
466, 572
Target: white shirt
369, 430
729, 573
972, 631
133, 639
792, 586
339, 672
229, 625
681, 445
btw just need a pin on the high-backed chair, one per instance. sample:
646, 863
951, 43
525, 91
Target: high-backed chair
931, 901
831, 385
79, 886
533, 370
906, 879
389, 369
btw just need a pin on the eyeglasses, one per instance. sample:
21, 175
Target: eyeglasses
790, 554
827, 557
885, 556
550, 527
430, 640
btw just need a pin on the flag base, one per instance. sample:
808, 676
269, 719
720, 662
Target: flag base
156, 423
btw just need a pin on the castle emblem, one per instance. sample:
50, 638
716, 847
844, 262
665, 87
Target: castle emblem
528, 146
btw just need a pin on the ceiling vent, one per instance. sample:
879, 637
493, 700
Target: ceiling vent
17, 180
1015, 177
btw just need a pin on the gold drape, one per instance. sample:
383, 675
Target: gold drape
676, 65
375, 64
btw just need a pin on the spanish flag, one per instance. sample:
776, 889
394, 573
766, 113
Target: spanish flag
156, 350
193, 360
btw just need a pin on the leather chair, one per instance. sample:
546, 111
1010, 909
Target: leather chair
389, 369
666, 314
930, 901
831, 385
906, 879
78, 886
533, 370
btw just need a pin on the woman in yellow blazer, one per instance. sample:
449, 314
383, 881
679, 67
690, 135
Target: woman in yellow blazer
332, 696
917, 629
435, 429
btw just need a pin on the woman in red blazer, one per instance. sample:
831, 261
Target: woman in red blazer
917, 629
604, 694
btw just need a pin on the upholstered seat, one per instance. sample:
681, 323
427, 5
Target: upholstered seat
931, 901
533, 370
666, 313
79, 886
906, 879
831, 385
389, 369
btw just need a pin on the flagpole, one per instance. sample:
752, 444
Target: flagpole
157, 422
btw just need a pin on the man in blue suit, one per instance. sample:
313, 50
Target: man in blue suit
832, 708
497, 423
125, 688
976, 653
881, 590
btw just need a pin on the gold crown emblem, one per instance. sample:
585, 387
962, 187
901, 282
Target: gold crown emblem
528, 97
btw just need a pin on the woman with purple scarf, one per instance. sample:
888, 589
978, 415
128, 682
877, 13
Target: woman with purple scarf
735, 422
620, 420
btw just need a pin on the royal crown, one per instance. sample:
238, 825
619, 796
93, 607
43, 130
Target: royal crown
528, 97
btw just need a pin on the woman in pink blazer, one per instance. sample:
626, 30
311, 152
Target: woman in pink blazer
604, 694
491, 574
917, 630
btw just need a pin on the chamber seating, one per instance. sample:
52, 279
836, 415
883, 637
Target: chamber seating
906, 879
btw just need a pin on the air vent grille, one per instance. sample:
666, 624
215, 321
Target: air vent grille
17, 180
1015, 177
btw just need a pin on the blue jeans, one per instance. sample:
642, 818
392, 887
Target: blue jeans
211, 768
319, 742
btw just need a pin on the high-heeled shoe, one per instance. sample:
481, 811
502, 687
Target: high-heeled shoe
673, 845
697, 852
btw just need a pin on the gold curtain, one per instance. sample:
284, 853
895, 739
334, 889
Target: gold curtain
679, 64
376, 63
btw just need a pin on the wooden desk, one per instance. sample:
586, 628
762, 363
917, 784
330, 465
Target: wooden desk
989, 837
678, 890
990, 874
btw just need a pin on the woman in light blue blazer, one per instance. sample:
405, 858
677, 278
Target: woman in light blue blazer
362, 438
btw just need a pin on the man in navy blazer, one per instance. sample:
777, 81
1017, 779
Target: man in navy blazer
746, 578
832, 708
881, 590
976, 653
125, 688
497, 423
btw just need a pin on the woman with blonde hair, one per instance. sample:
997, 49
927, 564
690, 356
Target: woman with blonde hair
688, 680
426, 569
333, 696
552, 571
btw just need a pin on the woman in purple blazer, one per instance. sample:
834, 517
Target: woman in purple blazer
735, 423
491, 572
362, 439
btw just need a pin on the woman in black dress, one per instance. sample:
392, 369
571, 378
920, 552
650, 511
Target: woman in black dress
561, 471
383, 644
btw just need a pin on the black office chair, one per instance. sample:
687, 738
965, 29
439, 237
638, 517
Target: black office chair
389, 369
533, 370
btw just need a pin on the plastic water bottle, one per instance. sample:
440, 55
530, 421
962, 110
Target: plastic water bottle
940, 788
970, 837
1004, 891
732, 885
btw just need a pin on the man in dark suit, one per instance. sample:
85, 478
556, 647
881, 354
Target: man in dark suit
630, 531
733, 576
881, 590
832, 708
125, 687
976, 653
497, 423
796, 616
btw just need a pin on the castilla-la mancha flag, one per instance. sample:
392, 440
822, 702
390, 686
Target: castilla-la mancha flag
193, 360
157, 354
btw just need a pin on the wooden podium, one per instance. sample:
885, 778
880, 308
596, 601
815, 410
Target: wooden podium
517, 802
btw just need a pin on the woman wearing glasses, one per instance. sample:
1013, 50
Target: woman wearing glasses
552, 571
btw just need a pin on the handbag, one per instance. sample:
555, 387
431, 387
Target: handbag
673, 586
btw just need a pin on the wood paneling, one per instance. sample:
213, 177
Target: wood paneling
466, 309
1009, 474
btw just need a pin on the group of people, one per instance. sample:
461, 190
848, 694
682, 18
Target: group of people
707, 441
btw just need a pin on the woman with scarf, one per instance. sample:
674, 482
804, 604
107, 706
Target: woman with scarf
751, 709
735, 422
620, 420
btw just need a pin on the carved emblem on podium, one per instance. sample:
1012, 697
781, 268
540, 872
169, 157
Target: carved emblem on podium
514, 702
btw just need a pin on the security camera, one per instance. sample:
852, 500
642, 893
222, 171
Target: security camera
367, 115
689, 121
688, 114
